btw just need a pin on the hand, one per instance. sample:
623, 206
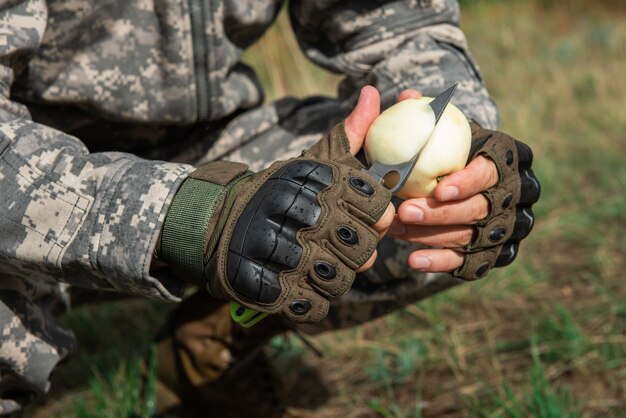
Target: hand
287, 239
356, 126
448, 219
468, 219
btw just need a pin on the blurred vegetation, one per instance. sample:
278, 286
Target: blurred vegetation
543, 338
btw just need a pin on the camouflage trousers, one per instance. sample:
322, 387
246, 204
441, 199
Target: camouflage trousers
32, 343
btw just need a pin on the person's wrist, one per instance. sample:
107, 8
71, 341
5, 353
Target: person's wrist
192, 216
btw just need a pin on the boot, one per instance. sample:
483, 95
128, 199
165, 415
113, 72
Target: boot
209, 366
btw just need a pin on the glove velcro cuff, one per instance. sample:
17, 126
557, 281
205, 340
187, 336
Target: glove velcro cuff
197, 202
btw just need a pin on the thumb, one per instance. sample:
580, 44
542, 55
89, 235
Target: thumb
358, 122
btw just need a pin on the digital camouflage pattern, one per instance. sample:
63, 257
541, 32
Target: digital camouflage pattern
94, 93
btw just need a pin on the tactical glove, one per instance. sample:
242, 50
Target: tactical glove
284, 240
510, 217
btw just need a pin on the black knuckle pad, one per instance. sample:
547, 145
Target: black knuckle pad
525, 154
530, 188
308, 174
507, 254
524, 222
263, 242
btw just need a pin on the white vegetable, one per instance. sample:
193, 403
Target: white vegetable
401, 131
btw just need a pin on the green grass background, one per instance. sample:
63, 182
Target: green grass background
545, 337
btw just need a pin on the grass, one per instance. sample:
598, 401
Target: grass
545, 337
126, 393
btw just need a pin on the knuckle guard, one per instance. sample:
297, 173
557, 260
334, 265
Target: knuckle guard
507, 154
510, 218
296, 232
524, 222
525, 155
507, 254
530, 188
263, 242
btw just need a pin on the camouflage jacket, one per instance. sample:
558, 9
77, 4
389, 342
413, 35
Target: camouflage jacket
92, 219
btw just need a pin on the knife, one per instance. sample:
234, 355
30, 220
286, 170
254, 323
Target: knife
381, 172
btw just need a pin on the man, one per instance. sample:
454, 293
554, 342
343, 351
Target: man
95, 96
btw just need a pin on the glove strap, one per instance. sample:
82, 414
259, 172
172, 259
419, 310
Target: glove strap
196, 203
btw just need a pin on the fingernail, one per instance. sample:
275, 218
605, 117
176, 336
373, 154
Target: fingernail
421, 262
396, 228
449, 193
413, 214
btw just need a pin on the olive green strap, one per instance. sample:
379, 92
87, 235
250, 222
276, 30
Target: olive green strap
184, 229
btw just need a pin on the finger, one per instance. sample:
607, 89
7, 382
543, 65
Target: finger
369, 263
435, 260
358, 122
428, 211
409, 94
438, 236
479, 175
385, 221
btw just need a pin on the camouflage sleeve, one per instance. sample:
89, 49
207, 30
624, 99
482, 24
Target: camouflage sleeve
91, 220
394, 45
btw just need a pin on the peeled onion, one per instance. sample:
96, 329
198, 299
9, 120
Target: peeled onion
407, 127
